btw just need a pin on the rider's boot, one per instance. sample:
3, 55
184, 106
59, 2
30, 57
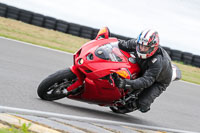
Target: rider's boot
142, 108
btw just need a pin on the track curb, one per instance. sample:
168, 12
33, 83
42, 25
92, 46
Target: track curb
4, 109
17, 122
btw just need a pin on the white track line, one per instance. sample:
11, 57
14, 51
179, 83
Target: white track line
34, 45
55, 50
190, 83
4, 109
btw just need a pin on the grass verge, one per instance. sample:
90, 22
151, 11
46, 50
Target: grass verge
23, 129
40, 36
53, 39
189, 73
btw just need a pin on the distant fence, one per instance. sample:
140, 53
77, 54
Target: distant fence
81, 30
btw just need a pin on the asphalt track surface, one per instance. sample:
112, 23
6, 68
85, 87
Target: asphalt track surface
23, 66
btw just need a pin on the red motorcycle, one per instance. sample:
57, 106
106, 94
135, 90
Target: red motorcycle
91, 78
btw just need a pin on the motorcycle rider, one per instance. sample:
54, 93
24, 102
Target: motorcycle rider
155, 64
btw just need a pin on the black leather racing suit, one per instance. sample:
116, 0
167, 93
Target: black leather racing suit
155, 75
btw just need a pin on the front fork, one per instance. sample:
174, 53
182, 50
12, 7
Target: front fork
79, 81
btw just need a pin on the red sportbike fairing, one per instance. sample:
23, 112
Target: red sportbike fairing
91, 78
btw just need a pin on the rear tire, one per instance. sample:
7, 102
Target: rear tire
50, 87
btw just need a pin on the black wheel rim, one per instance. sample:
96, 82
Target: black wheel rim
58, 89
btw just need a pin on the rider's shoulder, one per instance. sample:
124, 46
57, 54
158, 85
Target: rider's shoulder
133, 40
155, 60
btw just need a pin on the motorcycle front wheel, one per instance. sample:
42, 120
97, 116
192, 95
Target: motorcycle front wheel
54, 86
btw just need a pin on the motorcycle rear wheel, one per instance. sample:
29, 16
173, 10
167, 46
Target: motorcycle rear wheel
53, 86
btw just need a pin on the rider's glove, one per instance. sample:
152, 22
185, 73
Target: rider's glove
120, 83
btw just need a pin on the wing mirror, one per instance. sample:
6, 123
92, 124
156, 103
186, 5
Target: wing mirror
103, 33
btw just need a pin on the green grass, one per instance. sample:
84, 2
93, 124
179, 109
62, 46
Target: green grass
23, 129
53, 39
40, 36
189, 73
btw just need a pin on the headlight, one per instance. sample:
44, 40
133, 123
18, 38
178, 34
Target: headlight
90, 56
80, 61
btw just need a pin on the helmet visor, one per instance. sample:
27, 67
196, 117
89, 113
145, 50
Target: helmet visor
144, 49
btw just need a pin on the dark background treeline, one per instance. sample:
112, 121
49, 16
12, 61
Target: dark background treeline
81, 30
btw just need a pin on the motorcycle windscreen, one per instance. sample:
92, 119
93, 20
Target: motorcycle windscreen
110, 52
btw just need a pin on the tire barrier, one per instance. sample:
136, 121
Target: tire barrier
86, 32
187, 57
3, 10
49, 23
196, 61
62, 26
37, 19
176, 55
25, 16
12, 12
80, 30
74, 29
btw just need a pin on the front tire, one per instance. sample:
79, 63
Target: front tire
54, 85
